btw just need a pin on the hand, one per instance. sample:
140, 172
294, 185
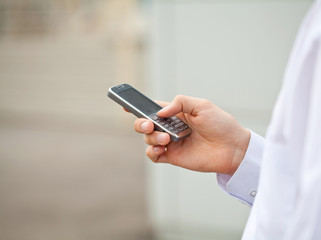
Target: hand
218, 143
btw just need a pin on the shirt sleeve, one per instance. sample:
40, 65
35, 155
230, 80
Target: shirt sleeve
243, 184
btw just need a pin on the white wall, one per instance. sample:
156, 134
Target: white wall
233, 53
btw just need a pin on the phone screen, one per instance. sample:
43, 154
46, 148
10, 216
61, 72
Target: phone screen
141, 102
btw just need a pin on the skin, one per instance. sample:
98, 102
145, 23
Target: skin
218, 142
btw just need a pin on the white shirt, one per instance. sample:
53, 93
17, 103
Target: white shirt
285, 168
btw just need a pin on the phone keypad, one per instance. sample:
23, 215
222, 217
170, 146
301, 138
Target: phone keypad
174, 124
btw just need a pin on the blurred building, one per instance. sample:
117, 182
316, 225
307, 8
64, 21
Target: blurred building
71, 166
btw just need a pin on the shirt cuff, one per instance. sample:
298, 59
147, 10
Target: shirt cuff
243, 184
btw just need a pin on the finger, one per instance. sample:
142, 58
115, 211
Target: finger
183, 104
157, 138
156, 154
165, 104
143, 125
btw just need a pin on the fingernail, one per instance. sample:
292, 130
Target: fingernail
161, 137
144, 126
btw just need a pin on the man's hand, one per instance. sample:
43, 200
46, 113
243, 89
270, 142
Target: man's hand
218, 142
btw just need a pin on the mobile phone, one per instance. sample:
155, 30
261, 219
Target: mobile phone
143, 107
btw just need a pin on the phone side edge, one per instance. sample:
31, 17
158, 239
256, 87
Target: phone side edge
112, 95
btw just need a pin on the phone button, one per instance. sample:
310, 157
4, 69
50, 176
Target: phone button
154, 117
179, 124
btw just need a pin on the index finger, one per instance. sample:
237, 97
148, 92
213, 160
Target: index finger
164, 105
180, 103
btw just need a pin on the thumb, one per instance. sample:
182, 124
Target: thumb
180, 103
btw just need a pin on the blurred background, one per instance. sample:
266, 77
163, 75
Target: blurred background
71, 166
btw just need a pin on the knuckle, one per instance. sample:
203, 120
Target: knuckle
137, 124
147, 139
179, 97
150, 155
147, 151
204, 103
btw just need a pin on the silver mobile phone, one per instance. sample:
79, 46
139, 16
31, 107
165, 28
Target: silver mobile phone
143, 107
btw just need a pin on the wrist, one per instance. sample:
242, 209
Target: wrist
240, 150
